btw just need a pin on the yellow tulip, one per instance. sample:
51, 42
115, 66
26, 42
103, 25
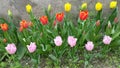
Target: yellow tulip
84, 6
28, 8
67, 7
49, 7
98, 6
113, 4
9, 13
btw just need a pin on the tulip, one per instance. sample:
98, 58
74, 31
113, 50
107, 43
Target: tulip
107, 40
83, 15
98, 6
24, 24
67, 7
113, 4
30, 24
21, 29
28, 8
54, 23
109, 24
4, 27
11, 48
84, 6
44, 20
58, 41
60, 17
116, 20
89, 46
4, 40
32, 47
9, 13
72, 41
98, 23
49, 7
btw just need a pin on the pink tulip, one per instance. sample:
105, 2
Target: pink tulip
11, 48
31, 47
89, 46
58, 41
107, 39
72, 41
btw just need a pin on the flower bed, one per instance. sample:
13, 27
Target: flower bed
56, 36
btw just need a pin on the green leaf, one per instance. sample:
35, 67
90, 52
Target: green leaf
113, 15
20, 51
3, 20
44, 47
34, 60
53, 57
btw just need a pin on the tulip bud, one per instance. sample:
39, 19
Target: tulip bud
4, 40
109, 25
116, 20
84, 6
30, 24
54, 23
24, 39
49, 7
98, 23
21, 29
9, 13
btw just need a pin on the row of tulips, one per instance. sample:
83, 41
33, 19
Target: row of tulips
11, 48
56, 35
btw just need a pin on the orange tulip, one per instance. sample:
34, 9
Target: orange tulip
60, 16
4, 27
83, 15
24, 24
44, 20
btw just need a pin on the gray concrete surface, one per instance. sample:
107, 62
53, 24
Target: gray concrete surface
18, 7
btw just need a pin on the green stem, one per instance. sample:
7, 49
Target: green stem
8, 56
7, 36
3, 57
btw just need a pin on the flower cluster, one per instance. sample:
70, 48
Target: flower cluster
39, 37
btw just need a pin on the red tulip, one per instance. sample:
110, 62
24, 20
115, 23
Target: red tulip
83, 15
44, 20
60, 16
